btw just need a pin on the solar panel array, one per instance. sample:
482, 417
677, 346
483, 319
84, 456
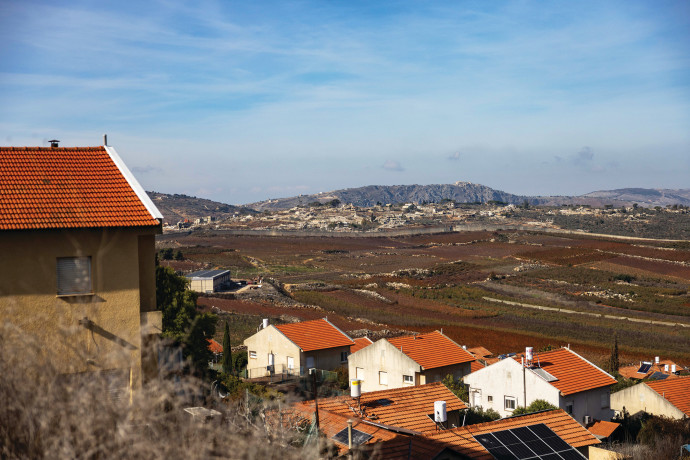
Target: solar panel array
358, 437
527, 443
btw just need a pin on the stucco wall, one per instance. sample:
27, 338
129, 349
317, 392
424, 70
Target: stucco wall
640, 398
505, 378
381, 356
437, 374
589, 403
28, 296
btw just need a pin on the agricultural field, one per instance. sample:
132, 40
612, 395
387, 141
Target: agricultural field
503, 290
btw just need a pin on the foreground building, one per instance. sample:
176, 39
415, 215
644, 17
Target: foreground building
78, 273
408, 361
561, 377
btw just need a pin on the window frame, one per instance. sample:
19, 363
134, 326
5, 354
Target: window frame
408, 379
512, 400
252, 355
343, 356
490, 399
383, 381
67, 272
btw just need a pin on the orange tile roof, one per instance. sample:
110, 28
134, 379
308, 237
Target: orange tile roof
462, 439
630, 372
676, 391
315, 335
214, 346
475, 366
360, 343
407, 407
44, 187
432, 350
603, 428
479, 352
574, 373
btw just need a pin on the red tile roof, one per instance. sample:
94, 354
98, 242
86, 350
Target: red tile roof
43, 187
475, 366
407, 407
676, 391
462, 439
360, 343
630, 372
315, 335
432, 350
479, 352
603, 428
574, 373
214, 346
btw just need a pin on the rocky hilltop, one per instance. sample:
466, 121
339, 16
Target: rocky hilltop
176, 208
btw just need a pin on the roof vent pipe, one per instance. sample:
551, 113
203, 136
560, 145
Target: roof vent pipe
54, 143
105, 140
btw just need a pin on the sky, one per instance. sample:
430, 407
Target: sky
245, 101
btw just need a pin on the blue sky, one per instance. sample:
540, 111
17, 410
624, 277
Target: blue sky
244, 101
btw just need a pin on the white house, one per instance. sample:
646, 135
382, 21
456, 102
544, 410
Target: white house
561, 377
408, 361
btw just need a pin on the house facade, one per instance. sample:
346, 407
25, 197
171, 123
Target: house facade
78, 274
208, 281
408, 361
669, 398
561, 377
297, 347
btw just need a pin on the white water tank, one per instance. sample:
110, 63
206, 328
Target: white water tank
673, 368
656, 360
265, 323
665, 367
355, 388
529, 354
440, 415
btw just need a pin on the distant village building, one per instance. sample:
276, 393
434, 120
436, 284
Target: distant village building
208, 281
669, 398
77, 238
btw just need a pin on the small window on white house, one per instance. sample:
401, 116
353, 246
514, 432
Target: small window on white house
408, 379
359, 373
74, 276
510, 403
490, 399
252, 355
343, 356
383, 378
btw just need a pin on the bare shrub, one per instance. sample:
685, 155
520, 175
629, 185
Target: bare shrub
44, 414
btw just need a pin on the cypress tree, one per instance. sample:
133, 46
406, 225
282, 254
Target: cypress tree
227, 352
614, 363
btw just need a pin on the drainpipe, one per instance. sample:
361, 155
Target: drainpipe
524, 383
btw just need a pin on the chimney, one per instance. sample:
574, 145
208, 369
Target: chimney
54, 143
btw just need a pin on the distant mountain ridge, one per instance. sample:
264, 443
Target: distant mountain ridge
176, 208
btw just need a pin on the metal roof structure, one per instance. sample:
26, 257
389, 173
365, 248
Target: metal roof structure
207, 274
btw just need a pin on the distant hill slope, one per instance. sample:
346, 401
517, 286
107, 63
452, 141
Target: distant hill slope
645, 196
464, 192
467, 192
177, 208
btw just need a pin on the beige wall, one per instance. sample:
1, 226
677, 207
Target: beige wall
28, 295
597, 453
640, 398
382, 356
437, 374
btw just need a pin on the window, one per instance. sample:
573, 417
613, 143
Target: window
359, 373
252, 355
343, 356
383, 378
605, 400
408, 379
510, 403
490, 399
74, 276
569, 408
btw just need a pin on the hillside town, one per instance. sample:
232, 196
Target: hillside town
82, 279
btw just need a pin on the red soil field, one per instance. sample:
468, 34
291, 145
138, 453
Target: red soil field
648, 267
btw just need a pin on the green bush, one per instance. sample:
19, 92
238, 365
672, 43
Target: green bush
536, 406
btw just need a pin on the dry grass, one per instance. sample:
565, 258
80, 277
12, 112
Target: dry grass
47, 415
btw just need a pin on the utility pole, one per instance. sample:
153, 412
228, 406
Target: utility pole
316, 402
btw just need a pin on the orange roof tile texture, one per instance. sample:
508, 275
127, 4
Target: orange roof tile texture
432, 350
573, 372
603, 428
313, 335
43, 188
360, 343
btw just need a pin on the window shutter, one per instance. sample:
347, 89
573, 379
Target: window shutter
74, 275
